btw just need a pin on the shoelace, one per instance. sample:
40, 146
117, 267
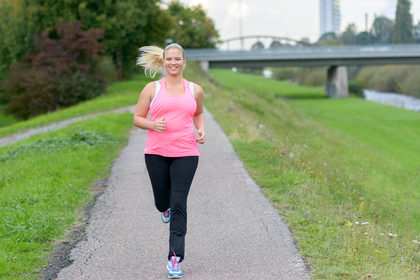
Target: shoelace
166, 213
174, 261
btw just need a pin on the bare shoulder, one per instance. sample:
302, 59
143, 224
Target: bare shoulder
198, 91
149, 89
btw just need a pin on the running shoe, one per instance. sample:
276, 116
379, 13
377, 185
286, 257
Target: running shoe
174, 268
166, 216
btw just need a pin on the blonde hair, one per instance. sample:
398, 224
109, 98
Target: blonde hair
151, 58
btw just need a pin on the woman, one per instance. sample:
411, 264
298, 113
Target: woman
171, 151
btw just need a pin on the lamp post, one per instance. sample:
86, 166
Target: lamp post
240, 25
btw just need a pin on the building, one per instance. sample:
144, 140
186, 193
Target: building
330, 16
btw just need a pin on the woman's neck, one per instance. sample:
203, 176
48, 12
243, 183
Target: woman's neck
173, 80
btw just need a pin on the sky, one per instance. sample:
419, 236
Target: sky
295, 19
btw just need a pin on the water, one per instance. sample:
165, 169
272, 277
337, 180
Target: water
398, 100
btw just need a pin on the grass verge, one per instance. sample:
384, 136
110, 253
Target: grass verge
117, 95
343, 173
45, 181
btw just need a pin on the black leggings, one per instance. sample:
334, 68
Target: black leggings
171, 178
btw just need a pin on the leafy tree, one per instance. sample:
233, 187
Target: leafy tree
416, 32
363, 38
348, 37
382, 29
128, 25
192, 28
275, 44
257, 46
403, 23
63, 69
327, 39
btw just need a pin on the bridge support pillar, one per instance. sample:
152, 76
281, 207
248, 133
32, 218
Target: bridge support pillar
204, 65
337, 84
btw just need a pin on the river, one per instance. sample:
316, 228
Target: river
398, 100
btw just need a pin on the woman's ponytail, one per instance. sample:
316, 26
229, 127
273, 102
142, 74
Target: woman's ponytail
151, 58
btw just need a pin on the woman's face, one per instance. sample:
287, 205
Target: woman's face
173, 62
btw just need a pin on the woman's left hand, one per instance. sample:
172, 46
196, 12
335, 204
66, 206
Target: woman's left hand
202, 136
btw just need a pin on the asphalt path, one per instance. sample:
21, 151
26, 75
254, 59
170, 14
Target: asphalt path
233, 231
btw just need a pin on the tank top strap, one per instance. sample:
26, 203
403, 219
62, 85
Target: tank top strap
190, 86
157, 84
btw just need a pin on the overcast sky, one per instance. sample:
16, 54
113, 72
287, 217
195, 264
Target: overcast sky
291, 18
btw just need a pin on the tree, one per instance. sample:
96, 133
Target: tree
275, 44
348, 37
128, 25
403, 23
192, 28
363, 38
382, 29
257, 46
62, 69
416, 32
328, 39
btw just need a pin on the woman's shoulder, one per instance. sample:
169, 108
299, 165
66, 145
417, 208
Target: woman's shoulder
149, 88
197, 89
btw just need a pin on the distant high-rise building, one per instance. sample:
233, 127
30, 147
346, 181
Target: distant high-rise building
330, 16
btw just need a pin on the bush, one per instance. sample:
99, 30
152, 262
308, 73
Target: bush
285, 73
411, 85
62, 70
390, 78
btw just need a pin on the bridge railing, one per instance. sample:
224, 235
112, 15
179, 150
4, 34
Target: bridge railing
299, 50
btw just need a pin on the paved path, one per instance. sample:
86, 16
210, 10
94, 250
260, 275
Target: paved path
233, 231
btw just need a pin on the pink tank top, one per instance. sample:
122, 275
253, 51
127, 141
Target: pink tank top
178, 138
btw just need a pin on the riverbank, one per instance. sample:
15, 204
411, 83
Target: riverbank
394, 99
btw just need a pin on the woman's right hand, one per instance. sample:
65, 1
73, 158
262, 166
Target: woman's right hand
159, 125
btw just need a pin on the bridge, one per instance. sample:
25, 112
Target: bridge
336, 58
274, 38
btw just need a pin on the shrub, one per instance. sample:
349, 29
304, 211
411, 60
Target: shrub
411, 85
63, 69
285, 73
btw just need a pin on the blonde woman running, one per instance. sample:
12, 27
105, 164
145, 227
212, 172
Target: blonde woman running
171, 151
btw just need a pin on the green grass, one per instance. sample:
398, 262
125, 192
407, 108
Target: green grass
45, 181
328, 166
260, 85
5, 119
117, 95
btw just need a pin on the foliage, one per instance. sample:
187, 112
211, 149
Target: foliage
192, 28
275, 44
117, 95
128, 25
382, 30
59, 72
308, 76
403, 23
257, 46
390, 78
348, 37
284, 73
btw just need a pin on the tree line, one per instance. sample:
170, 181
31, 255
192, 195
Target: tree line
54, 54
383, 30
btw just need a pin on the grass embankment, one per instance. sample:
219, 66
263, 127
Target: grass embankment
341, 172
117, 95
47, 179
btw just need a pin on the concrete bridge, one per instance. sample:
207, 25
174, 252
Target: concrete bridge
336, 58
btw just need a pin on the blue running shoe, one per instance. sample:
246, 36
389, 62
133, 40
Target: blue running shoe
174, 268
166, 216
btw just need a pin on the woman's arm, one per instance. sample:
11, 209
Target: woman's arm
142, 109
199, 114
